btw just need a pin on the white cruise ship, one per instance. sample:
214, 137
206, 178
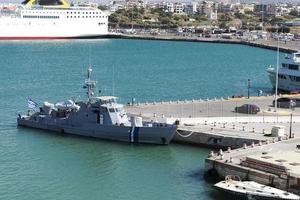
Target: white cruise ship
18, 22
288, 74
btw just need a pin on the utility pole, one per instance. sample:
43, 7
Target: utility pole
262, 16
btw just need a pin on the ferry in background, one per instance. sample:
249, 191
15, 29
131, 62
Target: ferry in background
30, 21
288, 74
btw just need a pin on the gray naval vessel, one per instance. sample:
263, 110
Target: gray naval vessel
99, 117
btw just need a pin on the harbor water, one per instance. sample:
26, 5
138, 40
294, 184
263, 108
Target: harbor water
38, 164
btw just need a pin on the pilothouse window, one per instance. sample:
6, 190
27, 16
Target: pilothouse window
111, 110
103, 109
293, 67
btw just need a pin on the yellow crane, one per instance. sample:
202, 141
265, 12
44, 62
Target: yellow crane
64, 3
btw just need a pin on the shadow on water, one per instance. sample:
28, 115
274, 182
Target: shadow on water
196, 174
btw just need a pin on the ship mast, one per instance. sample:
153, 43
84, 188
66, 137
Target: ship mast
89, 83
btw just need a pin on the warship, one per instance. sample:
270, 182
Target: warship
98, 116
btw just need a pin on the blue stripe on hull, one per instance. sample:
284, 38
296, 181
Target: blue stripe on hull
136, 134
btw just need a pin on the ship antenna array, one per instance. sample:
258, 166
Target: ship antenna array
89, 83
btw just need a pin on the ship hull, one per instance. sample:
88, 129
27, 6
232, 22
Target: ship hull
151, 135
246, 196
53, 37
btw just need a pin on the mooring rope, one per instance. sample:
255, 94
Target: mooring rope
185, 136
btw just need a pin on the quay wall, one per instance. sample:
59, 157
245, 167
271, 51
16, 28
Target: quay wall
219, 170
211, 140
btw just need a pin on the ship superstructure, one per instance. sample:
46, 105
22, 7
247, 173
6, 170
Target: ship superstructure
51, 22
288, 74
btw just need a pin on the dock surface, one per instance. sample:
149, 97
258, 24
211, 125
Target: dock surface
214, 123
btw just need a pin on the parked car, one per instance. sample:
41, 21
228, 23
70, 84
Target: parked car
285, 102
247, 109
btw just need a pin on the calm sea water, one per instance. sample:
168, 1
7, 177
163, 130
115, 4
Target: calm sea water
41, 165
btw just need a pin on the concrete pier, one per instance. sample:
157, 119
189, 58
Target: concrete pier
213, 122
275, 163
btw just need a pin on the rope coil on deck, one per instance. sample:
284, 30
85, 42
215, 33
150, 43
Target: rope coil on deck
185, 136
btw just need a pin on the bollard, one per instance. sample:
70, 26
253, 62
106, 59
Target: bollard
214, 123
230, 160
221, 157
228, 149
293, 135
253, 130
233, 126
205, 122
243, 128
263, 131
154, 114
252, 144
162, 116
221, 152
267, 141
260, 143
279, 138
211, 154
245, 146
273, 140
224, 125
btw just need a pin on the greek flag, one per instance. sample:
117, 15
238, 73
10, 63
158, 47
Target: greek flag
31, 104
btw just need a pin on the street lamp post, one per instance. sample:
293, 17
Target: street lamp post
249, 82
291, 117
